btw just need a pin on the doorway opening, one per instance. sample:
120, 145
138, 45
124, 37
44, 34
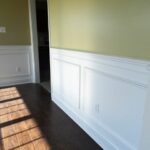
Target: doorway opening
43, 42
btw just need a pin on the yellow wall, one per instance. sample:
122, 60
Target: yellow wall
112, 27
14, 16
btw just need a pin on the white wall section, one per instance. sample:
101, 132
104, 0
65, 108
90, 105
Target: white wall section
105, 95
15, 65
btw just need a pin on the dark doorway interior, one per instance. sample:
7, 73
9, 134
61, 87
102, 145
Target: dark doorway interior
43, 42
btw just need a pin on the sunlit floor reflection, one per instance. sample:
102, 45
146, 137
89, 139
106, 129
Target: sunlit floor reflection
18, 130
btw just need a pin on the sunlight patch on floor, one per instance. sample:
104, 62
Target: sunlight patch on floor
18, 130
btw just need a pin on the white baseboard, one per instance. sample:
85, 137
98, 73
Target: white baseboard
79, 119
15, 65
104, 95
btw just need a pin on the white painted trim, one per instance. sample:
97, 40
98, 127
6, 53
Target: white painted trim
34, 40
139, 65
16, 78
142, 68
49, 31
14, 47
130, 74
79, 119
145, 135
16, 81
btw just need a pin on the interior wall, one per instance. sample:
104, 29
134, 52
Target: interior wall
120, 28
15, 17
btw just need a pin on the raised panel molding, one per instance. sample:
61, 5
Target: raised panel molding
15, 65
117, 99
112, 95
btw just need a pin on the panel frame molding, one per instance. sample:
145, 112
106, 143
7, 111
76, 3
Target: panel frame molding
69, 63
17, 78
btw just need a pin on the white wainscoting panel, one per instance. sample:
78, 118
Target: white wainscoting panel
15, 65
66, 75
105, 95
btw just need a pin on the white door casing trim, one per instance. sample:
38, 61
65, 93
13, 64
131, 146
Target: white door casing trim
34, 40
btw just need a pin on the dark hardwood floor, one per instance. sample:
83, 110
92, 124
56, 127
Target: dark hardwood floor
29, 120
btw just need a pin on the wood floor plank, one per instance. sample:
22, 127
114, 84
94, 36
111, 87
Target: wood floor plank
8, 131
3, 118
9, 138
5, 131
29, 146
24, 138
31, 123
35, 133
10, 142
41, 144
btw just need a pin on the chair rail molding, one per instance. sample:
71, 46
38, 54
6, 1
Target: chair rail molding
104, 95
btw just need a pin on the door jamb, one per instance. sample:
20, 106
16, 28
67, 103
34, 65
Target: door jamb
34, 41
